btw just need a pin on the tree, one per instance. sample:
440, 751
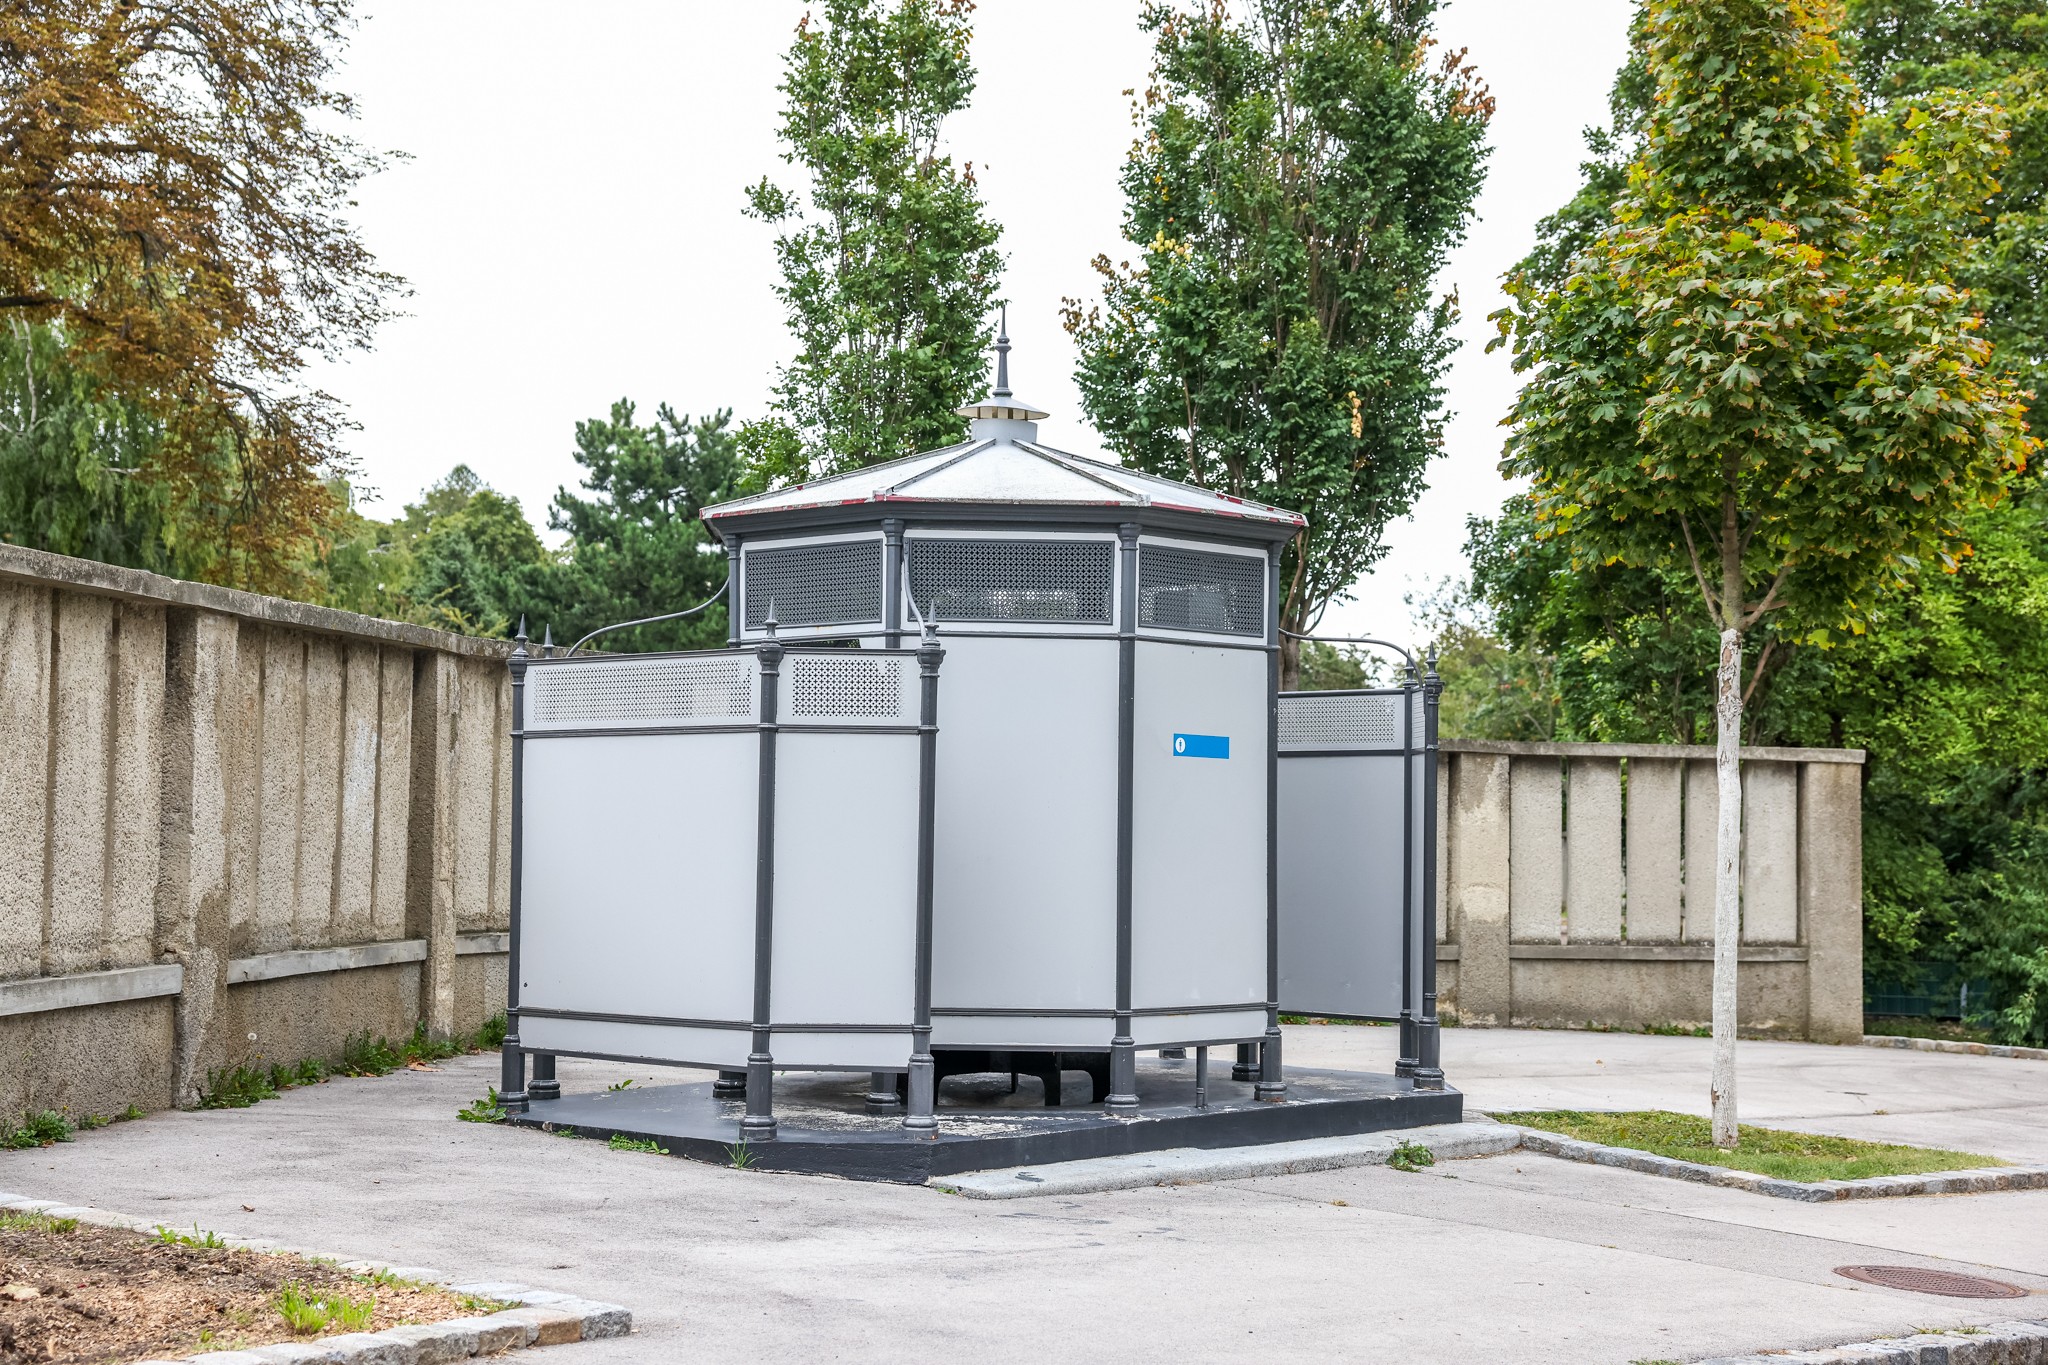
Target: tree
1764, 371
171, 213
890, 273
639, 547
1299, 178
462, 558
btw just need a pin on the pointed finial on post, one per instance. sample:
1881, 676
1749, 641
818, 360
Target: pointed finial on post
769, 624
519, 640
547, 642
1002, 388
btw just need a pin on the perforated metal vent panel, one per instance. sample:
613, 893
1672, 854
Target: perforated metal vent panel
846, 686
618, 693
1196, 590
1335, 720
814, 585
1013, 580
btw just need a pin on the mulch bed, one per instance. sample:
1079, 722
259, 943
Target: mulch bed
90, 1294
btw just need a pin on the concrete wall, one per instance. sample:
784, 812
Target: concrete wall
233, 829
1579, 887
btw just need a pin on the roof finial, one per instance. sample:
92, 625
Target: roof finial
1002, 388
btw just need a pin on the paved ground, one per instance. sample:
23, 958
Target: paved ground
1514, 1258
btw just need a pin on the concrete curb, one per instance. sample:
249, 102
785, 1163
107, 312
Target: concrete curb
1193, 1165
1810, 1192
1998, 1343
2032, 1054
543, 1318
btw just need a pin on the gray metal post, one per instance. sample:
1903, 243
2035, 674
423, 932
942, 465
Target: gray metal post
1429, 1071
921, 1121
511, 1057
759, 1123
1201, 1078
732, 590
543, 1085
1272, 1083
1123, 1052
730, 1085
1245, 1067
1405, 1066
882, 1096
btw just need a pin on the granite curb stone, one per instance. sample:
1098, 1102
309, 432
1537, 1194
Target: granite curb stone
1985, 1181
1998, 1343
1956, 1045
544, 1317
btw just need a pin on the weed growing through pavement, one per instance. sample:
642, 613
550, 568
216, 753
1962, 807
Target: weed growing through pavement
621, 1143
238, 1087
38, 1130
36, 1222
307, 1312
1411, 1156
485, 1110
616, 1086
739, 1157
206, 1240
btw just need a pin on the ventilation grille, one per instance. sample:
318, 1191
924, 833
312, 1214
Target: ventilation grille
1196, 590
1013, 580
1335, 720
625, 692
815, 585
845, 686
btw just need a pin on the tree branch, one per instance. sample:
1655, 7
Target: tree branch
1698, 573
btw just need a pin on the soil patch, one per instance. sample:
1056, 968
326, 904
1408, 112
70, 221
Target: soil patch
70, 1292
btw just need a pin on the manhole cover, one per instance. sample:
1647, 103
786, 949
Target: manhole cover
1932, 1281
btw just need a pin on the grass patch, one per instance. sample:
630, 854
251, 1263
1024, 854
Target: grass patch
1915, 1026
205, 1240
485, 1110
238, 1087
1767, 1151
38, 1130
1411, 1156
307, 1311
621, 1143
36, 1222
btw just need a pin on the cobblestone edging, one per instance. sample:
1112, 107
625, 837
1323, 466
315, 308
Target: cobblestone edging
1998, 1343
1811, 1192
543, 1318
2032, 1054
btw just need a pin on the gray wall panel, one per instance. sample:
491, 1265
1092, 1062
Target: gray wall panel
963, 1030
638, 875
1165, 1030
1340, 885
1198, 929
657, 1043
1024, 911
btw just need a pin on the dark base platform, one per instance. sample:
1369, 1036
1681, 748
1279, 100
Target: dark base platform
823, 1127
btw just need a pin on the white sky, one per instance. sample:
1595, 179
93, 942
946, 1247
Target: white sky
571, 224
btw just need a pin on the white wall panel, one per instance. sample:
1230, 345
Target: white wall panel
608, 1038
1198, 921
1165, 1030
638, 875
1003, 1031
1341, 884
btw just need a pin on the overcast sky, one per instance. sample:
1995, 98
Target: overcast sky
570, 221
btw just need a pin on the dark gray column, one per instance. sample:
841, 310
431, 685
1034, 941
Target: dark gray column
921, 1121
759, 1123
1429, 1071
1410, 987
1245, 1067
1123, 1052
732, 590
543, 1085
511, 1057
882, 1096
730, 1085
1272, 1083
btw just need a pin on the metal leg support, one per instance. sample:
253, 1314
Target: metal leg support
512, 1074
1246, 1067
882, 1097
1123, 1074
1201, 1078
1405, 1064
730, 1085
1270, 1087
759, 1124
544, 1086
919, 1120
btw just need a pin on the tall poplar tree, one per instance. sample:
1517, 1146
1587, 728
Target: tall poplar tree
1300, 174
888, 256
1763, 373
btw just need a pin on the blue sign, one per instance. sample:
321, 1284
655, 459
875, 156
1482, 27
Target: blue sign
1201, 746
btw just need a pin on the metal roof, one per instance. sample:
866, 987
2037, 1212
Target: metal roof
999, 468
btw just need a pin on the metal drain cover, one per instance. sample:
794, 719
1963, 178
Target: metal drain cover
1932, 1281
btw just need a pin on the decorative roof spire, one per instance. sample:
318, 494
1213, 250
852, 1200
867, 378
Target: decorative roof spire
1002, 388
1001, 404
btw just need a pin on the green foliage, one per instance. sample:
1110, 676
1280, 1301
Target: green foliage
1298, 179
741, 1157
485, 1110
1767, 1151
236, 1087
36, 1222
637, 546
38, 1130
492, 1034
207, 1240
363, 1056
889, 271
1491, 690
1411, 1157
621, 1143
1335, 668
308, 1311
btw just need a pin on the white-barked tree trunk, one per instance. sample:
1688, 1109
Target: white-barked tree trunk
1727, 882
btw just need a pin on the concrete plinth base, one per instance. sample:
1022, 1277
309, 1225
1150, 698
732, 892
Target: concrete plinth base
824, 1127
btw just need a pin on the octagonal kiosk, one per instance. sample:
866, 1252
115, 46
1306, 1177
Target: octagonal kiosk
1104, 875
